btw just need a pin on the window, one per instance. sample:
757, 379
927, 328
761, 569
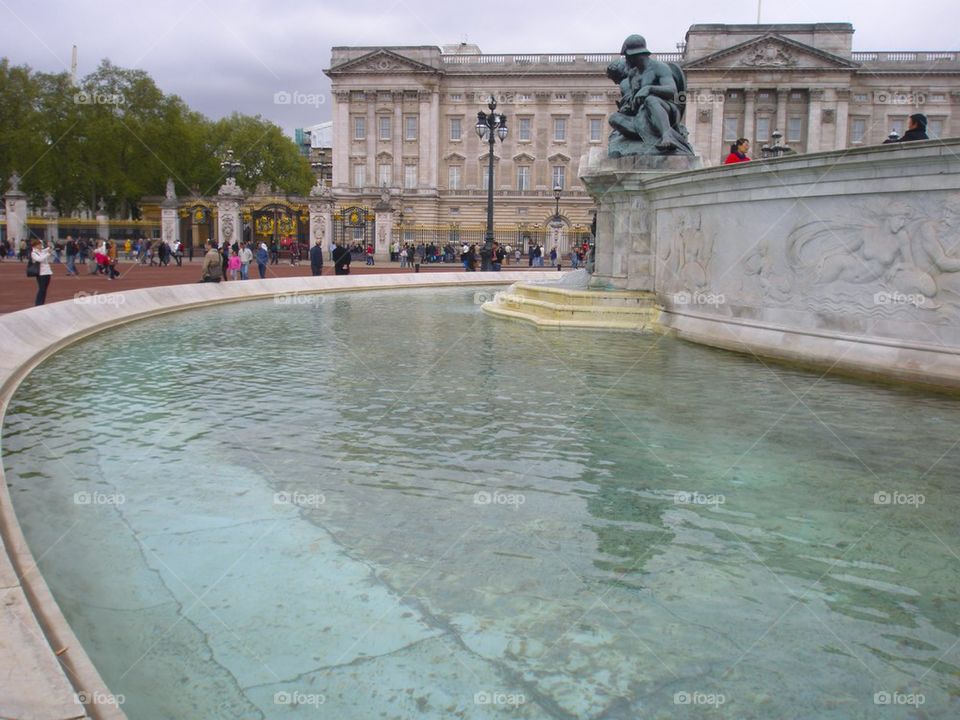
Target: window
938, 97
763, 96
935, 127
357, 96
485, 177
359, 128
596, 129
385, 174
384, 96
524, 128
456, 129
897, 124
861, 97
596, 97
796, 95
453, 177
523, 177
794, 129
559, 176
733, 95
858, 130
560, 96
731, 127
384, 127
359, 175
763, 129
456, 97
410, 127
559, 129
524, 97
409, 176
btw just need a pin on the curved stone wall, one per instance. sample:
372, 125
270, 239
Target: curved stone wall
46, 673
848, 260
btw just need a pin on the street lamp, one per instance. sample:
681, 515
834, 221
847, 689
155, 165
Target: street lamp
230, 166
894, 136
320, 166
775, 150
489, 127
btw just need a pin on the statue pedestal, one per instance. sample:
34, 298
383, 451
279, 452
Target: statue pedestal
624, 255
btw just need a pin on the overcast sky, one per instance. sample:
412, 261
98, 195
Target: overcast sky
221, 56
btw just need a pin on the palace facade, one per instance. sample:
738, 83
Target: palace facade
404, 117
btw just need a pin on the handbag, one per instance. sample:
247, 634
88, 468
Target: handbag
33, 268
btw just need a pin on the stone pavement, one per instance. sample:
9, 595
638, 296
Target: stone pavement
17, 291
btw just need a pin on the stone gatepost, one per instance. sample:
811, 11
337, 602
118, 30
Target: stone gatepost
321, 216
383, 215
15, 202
103, 221
52, 217
170, 216
229, 229
625, 255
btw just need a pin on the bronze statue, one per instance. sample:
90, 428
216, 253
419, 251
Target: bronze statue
649, 117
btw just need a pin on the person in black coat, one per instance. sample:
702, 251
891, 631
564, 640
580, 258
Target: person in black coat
316, 259
916, 128
341, 260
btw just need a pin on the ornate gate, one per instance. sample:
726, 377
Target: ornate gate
354, 226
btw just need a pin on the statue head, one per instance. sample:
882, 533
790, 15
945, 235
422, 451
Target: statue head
634, 45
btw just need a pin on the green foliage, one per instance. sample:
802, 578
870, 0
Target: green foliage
117, 137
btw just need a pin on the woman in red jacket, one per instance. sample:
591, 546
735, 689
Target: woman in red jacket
738, 152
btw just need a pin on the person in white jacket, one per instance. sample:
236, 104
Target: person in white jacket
42, 255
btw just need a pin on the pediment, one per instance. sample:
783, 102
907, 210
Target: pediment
381, 62
524, 157
455, 156
559, 158
771, 52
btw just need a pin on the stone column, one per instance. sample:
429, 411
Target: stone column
428, 137
749, 114
229, 229
15, 202
321, 216
715, 146
815, 121
343, 140
384, 219
430, 176
52, 217
399, 133
842, 119
103, 221
691, 116
170, 216
373, 135
783, 94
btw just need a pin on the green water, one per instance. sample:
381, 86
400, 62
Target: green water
393, 506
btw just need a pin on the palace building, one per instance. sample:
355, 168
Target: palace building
404, 117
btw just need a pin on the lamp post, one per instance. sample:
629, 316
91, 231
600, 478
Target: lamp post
489, 127
230, 166
775, 150
320, 166
894, 136
557, 222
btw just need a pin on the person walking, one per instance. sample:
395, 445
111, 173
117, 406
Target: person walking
210, 270
41, 255
71, 251
233, 264
246, 257
316, 259
263, 257
341, 260
177, 252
